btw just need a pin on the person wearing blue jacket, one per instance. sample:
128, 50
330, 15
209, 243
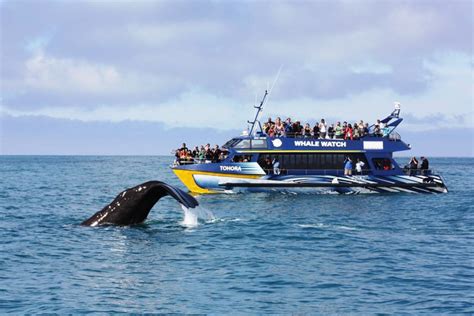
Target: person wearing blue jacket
348, 166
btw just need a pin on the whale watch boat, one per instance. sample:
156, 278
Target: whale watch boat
257, 162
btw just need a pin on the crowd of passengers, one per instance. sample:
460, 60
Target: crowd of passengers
413, 165
202, 154
323, 130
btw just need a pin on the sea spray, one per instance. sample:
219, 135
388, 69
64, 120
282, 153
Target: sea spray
192, 215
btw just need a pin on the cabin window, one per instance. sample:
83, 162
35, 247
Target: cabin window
312, 161
259, 143
244, 143
231, 143
383, 163
242, 158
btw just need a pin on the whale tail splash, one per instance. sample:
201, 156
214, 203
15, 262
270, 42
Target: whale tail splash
133, 205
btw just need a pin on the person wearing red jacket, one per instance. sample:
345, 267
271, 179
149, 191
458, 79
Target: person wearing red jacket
348, 133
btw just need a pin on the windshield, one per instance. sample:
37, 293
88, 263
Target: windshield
231, 143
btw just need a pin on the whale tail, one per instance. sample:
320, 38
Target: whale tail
178, 194
133, 205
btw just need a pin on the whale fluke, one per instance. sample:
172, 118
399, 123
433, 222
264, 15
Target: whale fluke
133, 205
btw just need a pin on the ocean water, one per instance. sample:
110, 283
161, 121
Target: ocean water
262, 253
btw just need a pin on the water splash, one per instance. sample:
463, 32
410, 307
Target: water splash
192, 216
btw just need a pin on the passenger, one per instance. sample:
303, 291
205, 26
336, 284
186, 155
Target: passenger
276, 166
413, 165
176, 157
360, 126
182, 155
189, 157
359, 165
316, 130
307, 130
268, 164
196, 152
425, 165
366, 129
348, 166
322, 129
331, 131
271, 131
267, 125
222, 156
355, 131
289, 128
279, 128
297, 129
208, 155
377, 131
339, 132
202, 155
349, 132
216, 153
183, 147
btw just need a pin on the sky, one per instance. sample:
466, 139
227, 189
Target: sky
140, 77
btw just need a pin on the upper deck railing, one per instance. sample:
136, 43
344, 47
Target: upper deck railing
394, 136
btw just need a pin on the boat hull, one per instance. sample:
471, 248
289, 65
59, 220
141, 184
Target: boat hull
218, 182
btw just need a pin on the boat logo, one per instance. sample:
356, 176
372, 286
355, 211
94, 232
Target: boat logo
277, 142
231, 168
317, 143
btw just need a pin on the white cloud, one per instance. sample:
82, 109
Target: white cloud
191, 109
449, 96
74, 77
62, 74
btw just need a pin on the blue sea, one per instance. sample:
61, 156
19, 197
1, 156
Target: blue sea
262, 253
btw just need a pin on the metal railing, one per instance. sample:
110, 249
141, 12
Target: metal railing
418, 172
329, 172
193, 161
393, 136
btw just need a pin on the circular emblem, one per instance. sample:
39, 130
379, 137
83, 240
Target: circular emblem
277, 142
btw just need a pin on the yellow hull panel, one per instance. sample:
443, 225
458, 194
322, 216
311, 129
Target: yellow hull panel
187, 177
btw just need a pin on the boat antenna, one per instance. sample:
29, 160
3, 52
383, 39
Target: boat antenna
275, 80
259, 108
